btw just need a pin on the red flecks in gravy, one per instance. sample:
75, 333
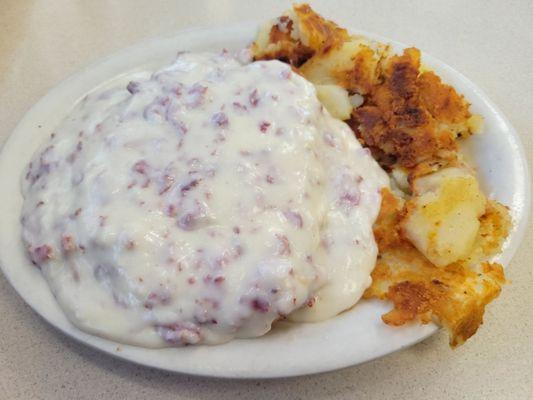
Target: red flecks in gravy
195, 205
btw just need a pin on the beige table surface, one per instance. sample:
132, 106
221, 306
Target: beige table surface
42, 42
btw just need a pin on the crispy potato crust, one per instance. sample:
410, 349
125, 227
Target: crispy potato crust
454, 296
318, 33
412, 122
396, 121
297, 39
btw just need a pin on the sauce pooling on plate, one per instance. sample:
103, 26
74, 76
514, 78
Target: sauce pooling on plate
201, 204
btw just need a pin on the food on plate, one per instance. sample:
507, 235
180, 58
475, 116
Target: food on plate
454, 295
209, 199
437, 230
202, 203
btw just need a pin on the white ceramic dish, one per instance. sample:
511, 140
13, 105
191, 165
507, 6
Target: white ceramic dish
351, 338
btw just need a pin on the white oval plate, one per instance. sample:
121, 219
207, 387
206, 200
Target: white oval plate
351, 338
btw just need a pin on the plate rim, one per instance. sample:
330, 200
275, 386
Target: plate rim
508, 253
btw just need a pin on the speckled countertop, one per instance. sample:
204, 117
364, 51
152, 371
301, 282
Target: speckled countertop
42, 42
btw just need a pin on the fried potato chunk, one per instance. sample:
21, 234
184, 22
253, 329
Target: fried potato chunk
396, 121
296, 36
454, 296
352, 65
441, 219
335, 99
408, 116
436, 231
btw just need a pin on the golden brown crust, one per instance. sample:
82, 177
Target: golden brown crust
386, 228
454, 296
286, 41
321, 35
442, 101
295, 53
363, 75
411, 121
408, 117
397, 120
